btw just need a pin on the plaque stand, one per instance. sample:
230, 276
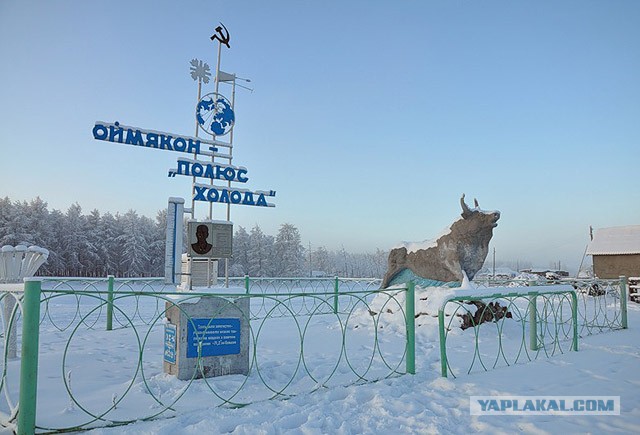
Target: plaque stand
207, 337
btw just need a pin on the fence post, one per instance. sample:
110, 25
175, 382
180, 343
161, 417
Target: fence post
110, 302
29, 357
443, 343
246, 283
336, 289
574, 315
623, 301
410, 312
533, 322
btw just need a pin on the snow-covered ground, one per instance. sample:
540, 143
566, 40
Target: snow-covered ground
426, 403
102, 364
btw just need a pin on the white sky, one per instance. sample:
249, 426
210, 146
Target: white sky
369, 118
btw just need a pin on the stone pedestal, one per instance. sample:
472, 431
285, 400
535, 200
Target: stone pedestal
207, 338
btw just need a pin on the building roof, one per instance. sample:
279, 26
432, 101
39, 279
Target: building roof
615, 241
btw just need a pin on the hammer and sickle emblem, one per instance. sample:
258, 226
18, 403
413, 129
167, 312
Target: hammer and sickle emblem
222, 36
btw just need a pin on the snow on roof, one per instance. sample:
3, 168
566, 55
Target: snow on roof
615, 241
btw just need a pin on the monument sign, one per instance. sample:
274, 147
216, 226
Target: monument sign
207, 336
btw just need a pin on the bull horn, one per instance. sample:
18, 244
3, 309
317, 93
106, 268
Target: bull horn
465, 207
475, 203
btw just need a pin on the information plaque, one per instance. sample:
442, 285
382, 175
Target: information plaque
170, 343
214, 337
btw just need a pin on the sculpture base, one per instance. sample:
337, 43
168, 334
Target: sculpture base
407, 275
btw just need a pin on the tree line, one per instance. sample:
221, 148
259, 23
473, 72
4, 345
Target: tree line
132, 245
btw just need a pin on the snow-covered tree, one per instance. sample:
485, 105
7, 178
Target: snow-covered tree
289, 252
258, 253
241, 248
156, 237
76, 247
111, 250
6, 208
132, 245
35, 222
55, 264
95, 262
321, 261
135, 245
13, 223
269, 253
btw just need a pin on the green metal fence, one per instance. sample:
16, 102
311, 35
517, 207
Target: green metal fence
252, 286
523, 321
284, 286
507, 327
306, 334
300, 342
602, 303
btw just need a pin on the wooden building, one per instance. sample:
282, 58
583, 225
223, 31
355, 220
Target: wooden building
616, 251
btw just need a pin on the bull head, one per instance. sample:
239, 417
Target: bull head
466, 212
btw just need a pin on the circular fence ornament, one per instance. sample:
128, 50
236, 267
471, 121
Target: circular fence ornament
215, 114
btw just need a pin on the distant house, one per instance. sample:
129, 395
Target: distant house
616, 251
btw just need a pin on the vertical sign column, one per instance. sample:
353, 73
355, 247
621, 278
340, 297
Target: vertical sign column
173, 243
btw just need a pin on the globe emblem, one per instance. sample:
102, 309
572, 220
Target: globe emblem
215, 114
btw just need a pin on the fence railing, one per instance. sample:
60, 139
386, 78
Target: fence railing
506, 327
522, 321
602, 303
252, 286
284, 286
100, 341
96, 374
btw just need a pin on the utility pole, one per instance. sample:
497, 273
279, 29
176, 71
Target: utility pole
494, 262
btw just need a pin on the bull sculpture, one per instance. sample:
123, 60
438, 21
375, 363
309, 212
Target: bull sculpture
463, 248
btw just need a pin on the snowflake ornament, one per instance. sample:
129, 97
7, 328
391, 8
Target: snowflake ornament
200, 70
